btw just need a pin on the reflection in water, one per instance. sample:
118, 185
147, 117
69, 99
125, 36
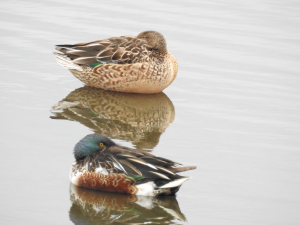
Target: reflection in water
94, 207
126, 116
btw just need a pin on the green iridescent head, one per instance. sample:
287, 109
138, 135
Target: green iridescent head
91, 144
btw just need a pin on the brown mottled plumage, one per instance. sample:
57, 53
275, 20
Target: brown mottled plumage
111, 182
139, 64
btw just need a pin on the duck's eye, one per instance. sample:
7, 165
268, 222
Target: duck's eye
101, 144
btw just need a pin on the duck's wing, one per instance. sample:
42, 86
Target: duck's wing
141, 165
116, 50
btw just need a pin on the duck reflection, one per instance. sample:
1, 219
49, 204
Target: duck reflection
139, 118
94, 207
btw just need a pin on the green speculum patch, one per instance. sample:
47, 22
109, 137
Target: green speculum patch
95, 64
92, 113
137, 178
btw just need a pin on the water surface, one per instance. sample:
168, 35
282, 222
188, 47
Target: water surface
236, 98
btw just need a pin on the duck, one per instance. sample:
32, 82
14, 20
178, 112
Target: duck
100, 164
135, 64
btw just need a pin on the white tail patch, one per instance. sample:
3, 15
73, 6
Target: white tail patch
146, 189
175, 183
66, 62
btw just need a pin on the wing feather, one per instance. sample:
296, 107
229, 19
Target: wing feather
116, 50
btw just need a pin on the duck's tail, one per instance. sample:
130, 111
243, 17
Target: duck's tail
175, 183
66, 62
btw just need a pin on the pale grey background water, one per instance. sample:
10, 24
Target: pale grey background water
236, 99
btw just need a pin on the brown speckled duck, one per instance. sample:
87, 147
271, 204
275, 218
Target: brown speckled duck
139, 64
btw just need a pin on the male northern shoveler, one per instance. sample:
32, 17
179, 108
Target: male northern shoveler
103, 165
139, 64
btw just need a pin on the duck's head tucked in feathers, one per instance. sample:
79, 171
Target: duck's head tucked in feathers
103, 165
140, 64
155, 40
91, 144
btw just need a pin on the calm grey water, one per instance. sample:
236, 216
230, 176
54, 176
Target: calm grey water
233, 111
